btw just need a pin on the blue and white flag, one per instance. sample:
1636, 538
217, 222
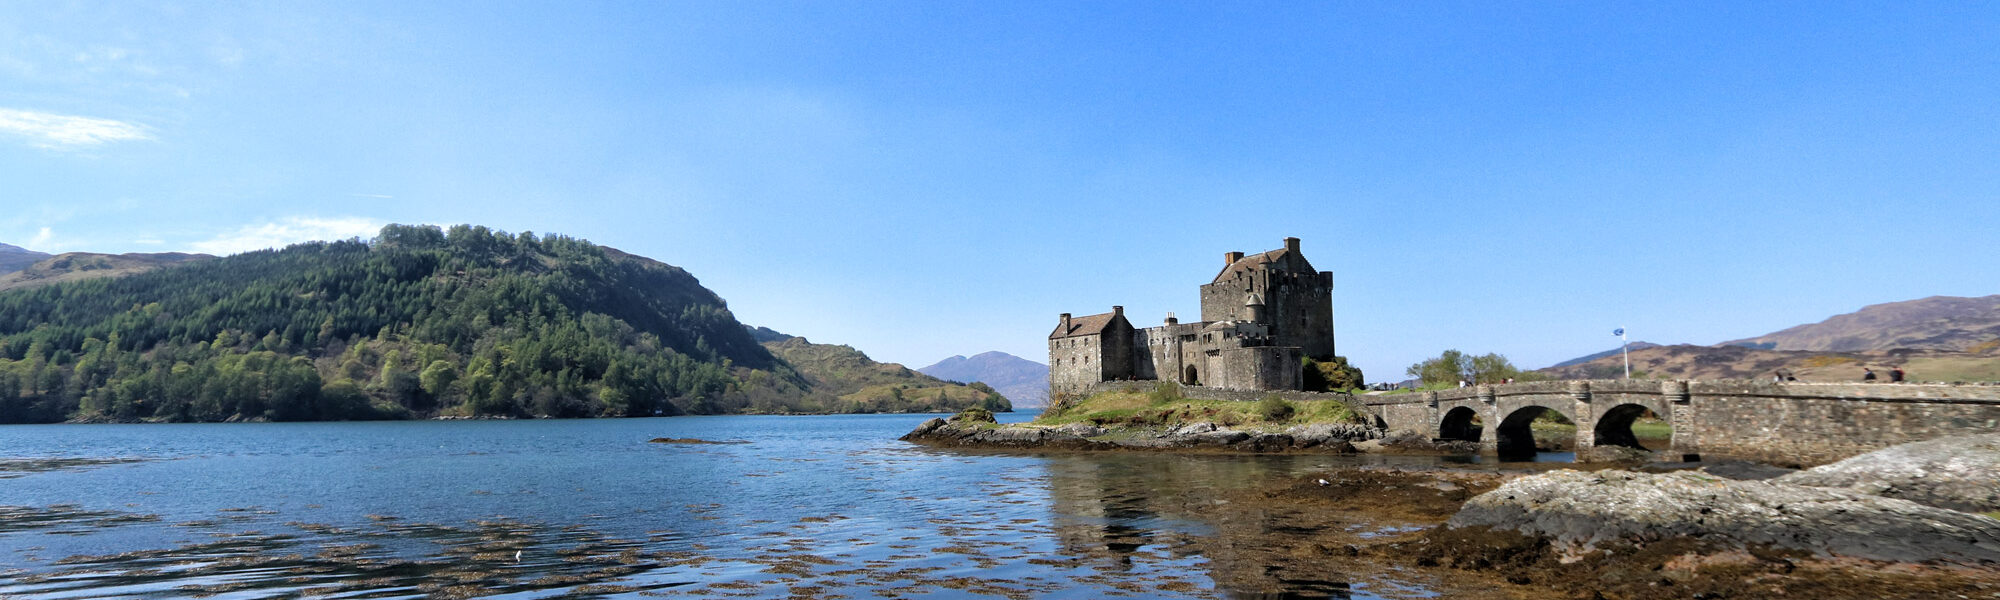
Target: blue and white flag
1619, 331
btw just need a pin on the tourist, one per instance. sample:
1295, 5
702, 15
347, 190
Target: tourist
1896, 375
1867, 375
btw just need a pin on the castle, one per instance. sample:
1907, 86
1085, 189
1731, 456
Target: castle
1259, 317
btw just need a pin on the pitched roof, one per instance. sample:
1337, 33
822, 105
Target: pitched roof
1085, 325
1250, 263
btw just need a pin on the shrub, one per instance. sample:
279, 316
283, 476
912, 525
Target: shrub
1275, 409
973, 415
1164, 392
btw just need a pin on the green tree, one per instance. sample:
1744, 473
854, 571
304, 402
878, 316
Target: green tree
1449, 367
1332, 375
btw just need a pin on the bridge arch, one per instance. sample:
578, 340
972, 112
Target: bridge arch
1460, 424
1515, 435
1614, 427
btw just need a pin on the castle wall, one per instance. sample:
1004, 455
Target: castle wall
1075, 363
1301, 312
1259, 368
1161, 353
1117, 361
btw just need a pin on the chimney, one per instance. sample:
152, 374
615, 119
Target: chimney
1230, 258
1065, 322
1171, 319
1292, 244
1117, 311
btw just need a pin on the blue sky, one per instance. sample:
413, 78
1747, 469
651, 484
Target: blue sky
923, 179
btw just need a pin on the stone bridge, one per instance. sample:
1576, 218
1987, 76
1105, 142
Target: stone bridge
1790, 423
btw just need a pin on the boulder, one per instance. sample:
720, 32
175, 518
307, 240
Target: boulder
1960, 473
923, 430
1320, 433
1579, 512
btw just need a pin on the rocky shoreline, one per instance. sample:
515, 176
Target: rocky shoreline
975, 431
1912, 521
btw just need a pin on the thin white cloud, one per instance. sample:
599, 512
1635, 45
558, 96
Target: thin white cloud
42, 238
66, 132
382, 196
286, 232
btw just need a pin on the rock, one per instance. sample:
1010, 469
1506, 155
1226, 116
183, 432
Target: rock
1960, 473
1320, 433
1581, 512
1079, 430
923, 430
1745, 470
1221, 437
1614, 454
1190, 429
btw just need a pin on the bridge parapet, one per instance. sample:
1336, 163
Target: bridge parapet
1791, 423
1781, 422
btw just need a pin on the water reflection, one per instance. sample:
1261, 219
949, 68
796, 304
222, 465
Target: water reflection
812, 507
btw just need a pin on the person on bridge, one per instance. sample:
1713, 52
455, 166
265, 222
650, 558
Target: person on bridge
1896, 375
1867, 375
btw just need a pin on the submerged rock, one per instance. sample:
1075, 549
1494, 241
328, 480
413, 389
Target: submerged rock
1579, 512
1961, 473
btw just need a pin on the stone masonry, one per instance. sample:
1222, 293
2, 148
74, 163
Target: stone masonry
1260, 316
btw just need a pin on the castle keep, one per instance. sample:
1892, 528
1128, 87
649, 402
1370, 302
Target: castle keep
1259, 317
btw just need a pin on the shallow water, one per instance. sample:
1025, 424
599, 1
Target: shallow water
830, 506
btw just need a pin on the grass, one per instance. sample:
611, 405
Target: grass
1652, 429
1163, 407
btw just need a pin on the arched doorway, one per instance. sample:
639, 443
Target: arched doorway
1190, 377
1461, 424
1632, 426
1516, 433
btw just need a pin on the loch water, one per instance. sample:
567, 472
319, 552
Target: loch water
786, 506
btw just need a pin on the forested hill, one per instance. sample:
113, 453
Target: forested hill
418, 322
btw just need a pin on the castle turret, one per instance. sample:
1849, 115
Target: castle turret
1253, 307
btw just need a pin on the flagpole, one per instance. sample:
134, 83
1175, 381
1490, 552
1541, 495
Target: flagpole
1625, 348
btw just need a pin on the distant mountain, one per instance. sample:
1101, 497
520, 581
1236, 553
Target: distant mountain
1681, 361
78, 266
843, 379
1635, 347
1937, 322
14, 258
1024, 381
1940, 338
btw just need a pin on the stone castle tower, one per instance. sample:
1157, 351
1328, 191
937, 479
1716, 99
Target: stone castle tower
1259, 317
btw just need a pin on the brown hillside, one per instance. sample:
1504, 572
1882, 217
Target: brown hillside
1981, 362
14, 258
848, 379
77, 266
1937, 322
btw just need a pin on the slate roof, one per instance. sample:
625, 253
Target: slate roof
1250, 263
1085, 325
